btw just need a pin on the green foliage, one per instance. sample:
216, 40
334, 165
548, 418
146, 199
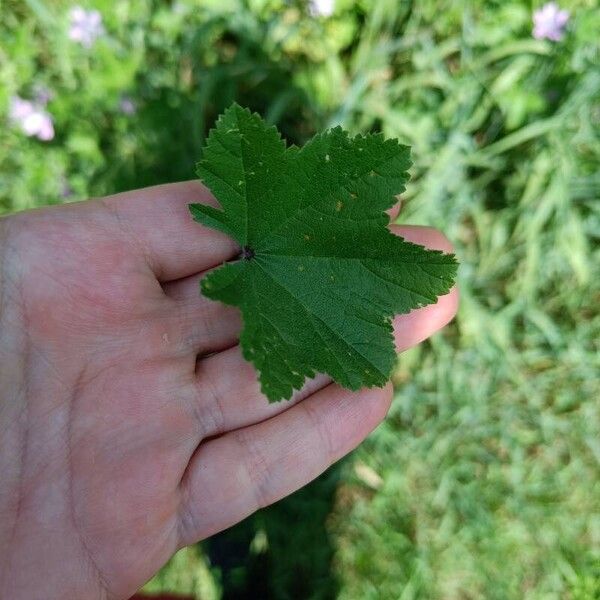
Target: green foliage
188, 574
484, 480
180, 65
321, 275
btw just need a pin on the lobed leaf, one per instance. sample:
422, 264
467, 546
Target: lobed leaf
321, 275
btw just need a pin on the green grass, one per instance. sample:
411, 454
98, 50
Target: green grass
484, 481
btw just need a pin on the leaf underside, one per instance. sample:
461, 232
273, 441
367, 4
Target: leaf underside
320, 275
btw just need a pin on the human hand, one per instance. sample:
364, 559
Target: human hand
130, 424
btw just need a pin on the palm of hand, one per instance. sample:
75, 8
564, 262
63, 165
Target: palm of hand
117, 445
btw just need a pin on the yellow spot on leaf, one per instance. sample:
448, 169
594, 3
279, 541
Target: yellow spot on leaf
339, 205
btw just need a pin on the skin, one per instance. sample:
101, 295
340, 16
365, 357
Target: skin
130, 425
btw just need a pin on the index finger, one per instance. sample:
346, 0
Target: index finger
157, 222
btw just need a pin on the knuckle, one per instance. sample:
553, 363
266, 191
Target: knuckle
324, 433
257, 468
207, 405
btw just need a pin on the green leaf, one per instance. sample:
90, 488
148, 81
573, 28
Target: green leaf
320, 275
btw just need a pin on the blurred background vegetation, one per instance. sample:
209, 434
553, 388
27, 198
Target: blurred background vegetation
484, 481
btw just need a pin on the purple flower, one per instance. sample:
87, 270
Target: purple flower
33, 120
85, 26
42, 95
65, 189
549, 22
127, 106
321, 8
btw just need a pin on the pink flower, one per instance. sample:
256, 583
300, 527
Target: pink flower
19, 109
86, 26
321, 8
33, 120
549, 22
